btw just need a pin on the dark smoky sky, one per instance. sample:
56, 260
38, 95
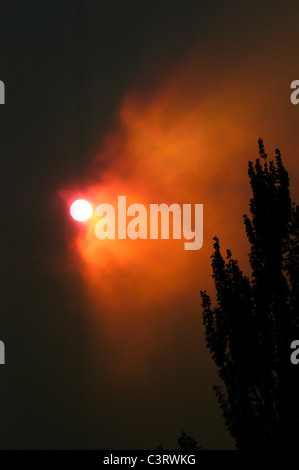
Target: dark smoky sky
68, 67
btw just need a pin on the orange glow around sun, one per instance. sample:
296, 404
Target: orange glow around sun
163, 152
166, 148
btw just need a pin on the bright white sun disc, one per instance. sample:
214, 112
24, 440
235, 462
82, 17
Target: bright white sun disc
81, 210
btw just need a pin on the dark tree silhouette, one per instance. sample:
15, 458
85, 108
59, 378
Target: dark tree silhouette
250, 330
187, 443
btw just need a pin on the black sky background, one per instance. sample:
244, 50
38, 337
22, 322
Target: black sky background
66, 67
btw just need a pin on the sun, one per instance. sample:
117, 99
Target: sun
81, 210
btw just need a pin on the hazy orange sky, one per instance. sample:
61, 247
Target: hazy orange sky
162, 102
186, 140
